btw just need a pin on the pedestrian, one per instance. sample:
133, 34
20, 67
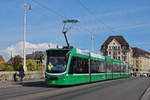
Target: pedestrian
15, 76
21, 73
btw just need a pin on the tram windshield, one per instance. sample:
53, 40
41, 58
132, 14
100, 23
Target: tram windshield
57, 61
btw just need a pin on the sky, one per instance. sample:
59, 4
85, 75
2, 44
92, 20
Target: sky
102, 18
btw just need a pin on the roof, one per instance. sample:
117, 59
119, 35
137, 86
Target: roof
1, 58
36, 55
119, 39
139, 51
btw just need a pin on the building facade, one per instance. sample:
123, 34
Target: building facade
116, 47
149, 64
140, 61
38, 57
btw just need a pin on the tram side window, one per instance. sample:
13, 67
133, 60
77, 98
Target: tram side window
82, 65
105, 67
97, 66
123, 68
101, 66
116, 68
94, 67
120, 66
72, 67
109, 67
127, 69
78, 65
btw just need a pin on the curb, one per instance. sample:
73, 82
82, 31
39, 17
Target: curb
10, 86
20, 84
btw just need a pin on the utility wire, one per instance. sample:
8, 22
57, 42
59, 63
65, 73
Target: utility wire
93, 14
48, 9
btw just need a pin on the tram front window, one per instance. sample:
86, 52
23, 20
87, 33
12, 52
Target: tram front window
56, 62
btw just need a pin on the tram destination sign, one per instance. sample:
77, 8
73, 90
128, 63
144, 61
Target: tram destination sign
84, 52
96, 55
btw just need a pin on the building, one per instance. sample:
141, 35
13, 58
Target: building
149, 64
116, 47
140, 61
38, 57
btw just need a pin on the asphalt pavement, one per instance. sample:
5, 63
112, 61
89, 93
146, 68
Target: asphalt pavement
134, 88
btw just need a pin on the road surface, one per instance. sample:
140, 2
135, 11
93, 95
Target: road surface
119, 89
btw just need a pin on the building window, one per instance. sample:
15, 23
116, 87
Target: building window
119, 57
118, 53
114, 57
115, 53
109, 53
114, 48
124, 58
119, 48
109, 47
124, 53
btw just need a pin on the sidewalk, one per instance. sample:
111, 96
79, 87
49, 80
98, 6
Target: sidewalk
12, 84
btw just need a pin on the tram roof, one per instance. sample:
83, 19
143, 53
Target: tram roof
87, 53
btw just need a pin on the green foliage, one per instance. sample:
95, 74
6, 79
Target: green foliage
9, 68
32, 65
17, 62
2, 67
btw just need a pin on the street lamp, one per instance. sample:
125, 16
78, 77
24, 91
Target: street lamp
24, 46
66, 29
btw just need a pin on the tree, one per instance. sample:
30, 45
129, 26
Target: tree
17, 62
32, 65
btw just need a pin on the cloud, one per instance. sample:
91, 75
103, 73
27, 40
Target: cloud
17, 49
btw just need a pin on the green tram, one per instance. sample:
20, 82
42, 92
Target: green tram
75, 66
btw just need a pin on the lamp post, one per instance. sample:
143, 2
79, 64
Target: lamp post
24, 44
